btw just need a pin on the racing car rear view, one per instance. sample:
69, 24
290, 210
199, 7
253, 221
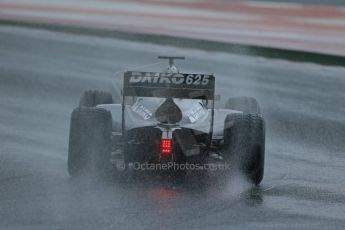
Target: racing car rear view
166, 119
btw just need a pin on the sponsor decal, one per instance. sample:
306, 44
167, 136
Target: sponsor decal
168, 78
196, 112
145, 113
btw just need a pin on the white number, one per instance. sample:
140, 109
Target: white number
190, 79
197, 80
205, 80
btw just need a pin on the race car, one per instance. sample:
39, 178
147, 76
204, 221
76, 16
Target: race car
166, 118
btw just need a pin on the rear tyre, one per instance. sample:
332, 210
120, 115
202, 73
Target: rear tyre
91, 98
244, 144
90, 142
247, 105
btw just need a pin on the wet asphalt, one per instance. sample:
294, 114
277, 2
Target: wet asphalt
42, 75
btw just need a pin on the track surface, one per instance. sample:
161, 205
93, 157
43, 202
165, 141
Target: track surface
42, 75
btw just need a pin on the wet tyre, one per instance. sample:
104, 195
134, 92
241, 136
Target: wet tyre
247, 105
244, 145
90, 142
91, 98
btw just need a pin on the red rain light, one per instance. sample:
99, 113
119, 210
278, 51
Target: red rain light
166, 146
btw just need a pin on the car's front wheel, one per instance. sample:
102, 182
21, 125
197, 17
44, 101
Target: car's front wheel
247, 105
91, 98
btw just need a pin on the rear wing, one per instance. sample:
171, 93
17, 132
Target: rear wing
174, 85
